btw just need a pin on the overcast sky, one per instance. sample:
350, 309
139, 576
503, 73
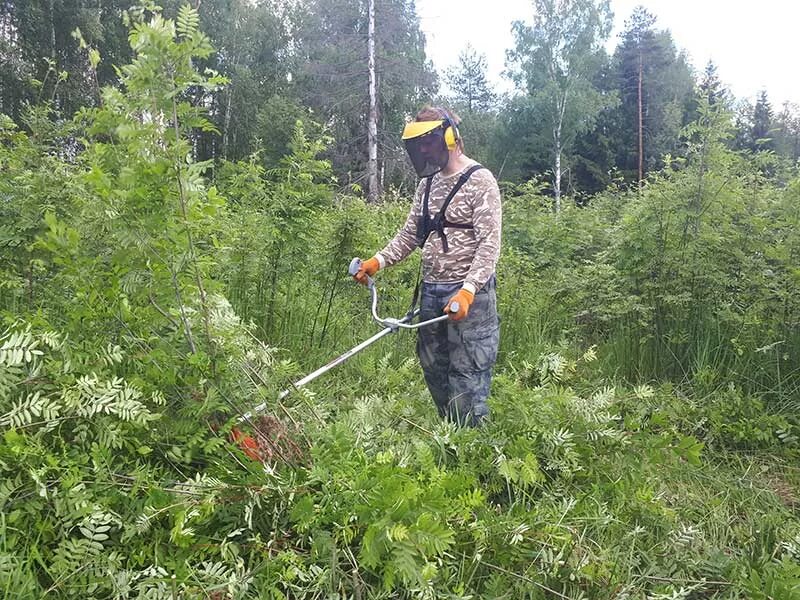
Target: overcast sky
755, 44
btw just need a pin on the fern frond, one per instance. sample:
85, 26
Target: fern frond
144, 520
518, 534
110, 355
685, 536
18, 348
9, 378
188, 21
52, 340
116, 397
215, 571
75, 553
31, 408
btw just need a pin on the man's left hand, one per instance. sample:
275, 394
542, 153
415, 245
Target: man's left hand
464, 299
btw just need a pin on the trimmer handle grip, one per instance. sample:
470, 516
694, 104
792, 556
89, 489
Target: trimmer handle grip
354, 267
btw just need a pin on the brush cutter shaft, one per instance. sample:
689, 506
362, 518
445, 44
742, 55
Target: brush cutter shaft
390, 326
321, 371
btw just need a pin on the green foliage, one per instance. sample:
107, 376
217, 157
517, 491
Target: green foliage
148, 304
687, 281
121, 361
290, 61
330, 43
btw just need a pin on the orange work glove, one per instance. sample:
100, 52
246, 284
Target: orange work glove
464, 299
368, 268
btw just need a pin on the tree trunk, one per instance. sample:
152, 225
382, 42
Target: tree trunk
53, 30
227, 122
228, 105
557, 128
641, 123
372, 121
557, 173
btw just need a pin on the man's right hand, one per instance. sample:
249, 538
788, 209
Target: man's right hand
368, 269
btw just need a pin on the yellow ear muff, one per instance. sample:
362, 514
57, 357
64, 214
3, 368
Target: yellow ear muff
451, 134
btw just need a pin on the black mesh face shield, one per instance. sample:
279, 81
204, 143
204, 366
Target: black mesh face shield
428, 152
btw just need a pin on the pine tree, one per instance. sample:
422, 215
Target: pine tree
469, 83
656, 89
711, 87
761, 133
331, 47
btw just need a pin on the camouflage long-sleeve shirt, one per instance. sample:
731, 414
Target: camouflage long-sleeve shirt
473, 253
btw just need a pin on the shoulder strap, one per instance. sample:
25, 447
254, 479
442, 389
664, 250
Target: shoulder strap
440, 221
427, 225
459, 184
423, 221
427, 195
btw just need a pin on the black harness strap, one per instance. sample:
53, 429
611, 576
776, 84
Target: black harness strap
426, 226
422, 234
439, 222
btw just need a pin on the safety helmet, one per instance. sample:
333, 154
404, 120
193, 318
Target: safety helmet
428, 144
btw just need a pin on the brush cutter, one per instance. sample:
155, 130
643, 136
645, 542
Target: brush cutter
389, 324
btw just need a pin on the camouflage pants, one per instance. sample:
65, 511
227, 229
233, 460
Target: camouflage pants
457, 356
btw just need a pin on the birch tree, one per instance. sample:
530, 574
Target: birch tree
553, 61
372, 118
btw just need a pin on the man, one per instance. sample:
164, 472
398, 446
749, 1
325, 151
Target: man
460, 247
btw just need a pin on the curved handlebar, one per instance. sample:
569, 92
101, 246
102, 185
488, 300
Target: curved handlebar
390, 322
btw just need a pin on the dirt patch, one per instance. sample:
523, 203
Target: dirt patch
783, 489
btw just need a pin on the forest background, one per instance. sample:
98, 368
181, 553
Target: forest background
181, 191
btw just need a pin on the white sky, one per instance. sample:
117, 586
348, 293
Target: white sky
755, 44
